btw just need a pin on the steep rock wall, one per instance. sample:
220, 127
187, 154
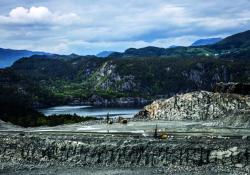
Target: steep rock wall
200, 105
111, 151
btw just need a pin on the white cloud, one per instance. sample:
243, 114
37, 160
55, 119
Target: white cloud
34, 13
37, 16
89, 26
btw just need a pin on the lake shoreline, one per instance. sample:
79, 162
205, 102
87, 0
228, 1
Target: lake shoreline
91, 111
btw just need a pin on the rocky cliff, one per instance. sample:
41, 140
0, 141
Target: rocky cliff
113, 151
200, 105
81, 78
237, 119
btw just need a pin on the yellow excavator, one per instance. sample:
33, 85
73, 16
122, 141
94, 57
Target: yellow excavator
160, 135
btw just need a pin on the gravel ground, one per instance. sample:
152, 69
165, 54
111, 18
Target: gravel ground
13, 168
172, 170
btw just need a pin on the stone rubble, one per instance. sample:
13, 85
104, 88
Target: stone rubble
200, 106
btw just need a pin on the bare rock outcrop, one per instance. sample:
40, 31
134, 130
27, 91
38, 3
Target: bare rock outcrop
236, 119
198, 106
112, 151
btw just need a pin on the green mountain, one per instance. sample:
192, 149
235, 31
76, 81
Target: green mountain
146, 73
82, 78
235, 46
134, 77
239, 41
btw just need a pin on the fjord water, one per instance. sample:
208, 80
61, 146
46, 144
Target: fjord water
91, 111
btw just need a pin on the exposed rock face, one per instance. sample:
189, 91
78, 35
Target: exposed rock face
237, 119
200, 105
108, 78
122, 151
236, 88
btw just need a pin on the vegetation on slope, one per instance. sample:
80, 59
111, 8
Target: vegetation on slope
236, 46
18, 97
149, 72
128, 77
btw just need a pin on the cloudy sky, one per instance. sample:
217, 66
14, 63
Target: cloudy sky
91, 26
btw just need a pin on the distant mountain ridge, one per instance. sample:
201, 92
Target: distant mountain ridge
208, 41
234, 47
104, 54
134, 77
9, 56
147, 73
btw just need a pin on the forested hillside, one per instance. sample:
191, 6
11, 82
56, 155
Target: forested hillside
134, 77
